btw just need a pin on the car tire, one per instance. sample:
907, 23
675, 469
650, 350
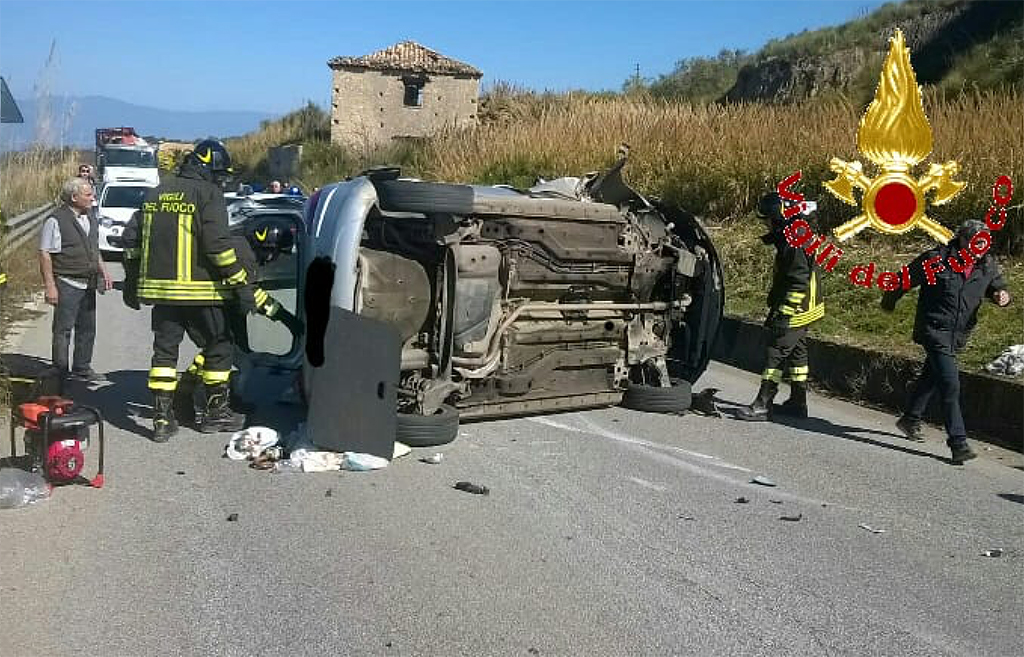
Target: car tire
657, 399
407, 196
417, 430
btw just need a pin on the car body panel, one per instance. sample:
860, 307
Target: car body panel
113, 210
586, 295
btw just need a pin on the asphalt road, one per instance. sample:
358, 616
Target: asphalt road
607, 532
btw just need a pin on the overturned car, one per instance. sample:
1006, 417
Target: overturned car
575, 293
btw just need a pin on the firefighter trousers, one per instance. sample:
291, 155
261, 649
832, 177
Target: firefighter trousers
207, 327
787, 351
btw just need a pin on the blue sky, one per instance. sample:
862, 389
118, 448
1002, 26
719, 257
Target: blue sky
271, 56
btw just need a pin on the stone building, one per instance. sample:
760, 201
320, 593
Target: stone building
406, 90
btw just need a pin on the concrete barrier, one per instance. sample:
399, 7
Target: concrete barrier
993, 407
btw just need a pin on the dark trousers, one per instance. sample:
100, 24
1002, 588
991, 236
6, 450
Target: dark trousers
206, 326
787, 348
76, 310
940, 374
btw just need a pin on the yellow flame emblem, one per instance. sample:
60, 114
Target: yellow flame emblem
894, 134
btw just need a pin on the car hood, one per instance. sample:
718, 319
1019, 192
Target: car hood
121, 215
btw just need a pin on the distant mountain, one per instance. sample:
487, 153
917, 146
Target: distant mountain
71, 121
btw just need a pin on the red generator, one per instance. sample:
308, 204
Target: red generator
56, 437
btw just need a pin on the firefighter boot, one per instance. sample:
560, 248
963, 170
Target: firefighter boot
758, 411
184, 399
796, 405
219, 416
164, 424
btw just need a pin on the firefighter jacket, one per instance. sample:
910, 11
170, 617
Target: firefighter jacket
177, 247
947, 307
795, 298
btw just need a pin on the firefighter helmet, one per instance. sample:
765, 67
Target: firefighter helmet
212, 156
269, 239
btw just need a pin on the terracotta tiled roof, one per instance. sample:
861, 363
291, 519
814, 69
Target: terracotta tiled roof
407, 56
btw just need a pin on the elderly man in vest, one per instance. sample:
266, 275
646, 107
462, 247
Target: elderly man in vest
69, 259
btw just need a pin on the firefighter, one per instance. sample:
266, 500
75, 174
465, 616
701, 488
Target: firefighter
179, 258
794, 302
268, 239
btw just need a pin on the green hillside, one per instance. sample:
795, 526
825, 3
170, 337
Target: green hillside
955, 45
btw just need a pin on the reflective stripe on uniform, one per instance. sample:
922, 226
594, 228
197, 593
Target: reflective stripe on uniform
803, 319
799, 373
147, 228
238, 278
815, 310
163, 378
224, 258
197, 365
184, 272
772, 374
213, 378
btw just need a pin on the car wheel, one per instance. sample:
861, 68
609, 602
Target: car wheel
428, 430
658, 399
406, 196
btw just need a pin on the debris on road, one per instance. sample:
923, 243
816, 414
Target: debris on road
682, 517
994, 552
470, 487
871, 529
180, 472
250, 443
233, 517
704, 403
20, 488
329, 493
775, 501
433, 459
761, 480
795, 518
742, 500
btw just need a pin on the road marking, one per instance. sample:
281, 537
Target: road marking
648, 484
653, 450
601, 431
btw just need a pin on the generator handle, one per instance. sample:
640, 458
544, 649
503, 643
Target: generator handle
97, 481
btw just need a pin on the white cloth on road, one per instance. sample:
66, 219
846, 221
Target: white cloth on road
250, 443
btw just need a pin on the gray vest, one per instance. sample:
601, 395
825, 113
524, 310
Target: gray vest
79, 253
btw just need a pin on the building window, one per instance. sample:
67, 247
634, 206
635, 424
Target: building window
413, 95
414, 84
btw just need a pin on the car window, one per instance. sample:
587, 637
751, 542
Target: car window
123, 197
118, 157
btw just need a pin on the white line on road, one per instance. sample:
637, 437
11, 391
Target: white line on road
650, 449
648, 484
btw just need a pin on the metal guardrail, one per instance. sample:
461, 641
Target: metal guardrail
22, 228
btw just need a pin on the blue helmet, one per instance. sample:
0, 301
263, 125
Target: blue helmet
294, 191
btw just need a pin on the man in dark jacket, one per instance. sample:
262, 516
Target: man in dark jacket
794, 303
947, 310
179, 257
